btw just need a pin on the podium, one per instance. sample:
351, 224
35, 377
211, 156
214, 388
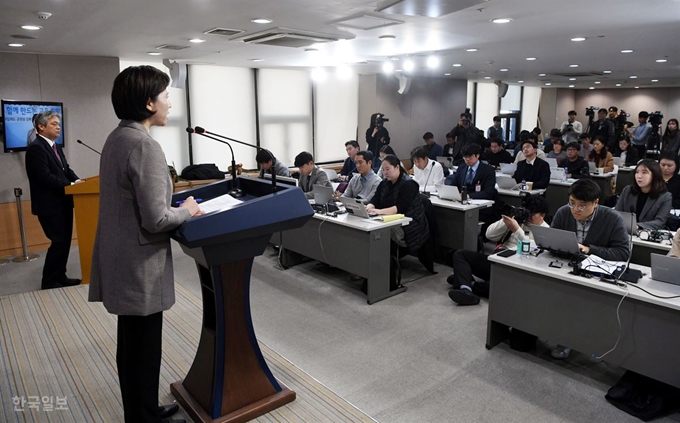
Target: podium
229, 381
86, 204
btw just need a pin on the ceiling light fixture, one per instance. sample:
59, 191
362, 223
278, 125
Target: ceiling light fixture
541, 74
471, 50
197, 40
447, 74
637, 88
573, 66
256, 60
597, 82
661, 60
504, 70
571, 86
577, 39
618, 85
432, 61
501, 20
409, 65
388, 67
572, 79
154, 53
548, 83
607, 71
520, 82
387, 37
655, 80
627, 51
261, 21
15, 45
591, 88
531, 58
457, 65
633, 77
31, 27
487, 77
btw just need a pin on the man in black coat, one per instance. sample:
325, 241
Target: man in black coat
48, 175
532, 169
575, 166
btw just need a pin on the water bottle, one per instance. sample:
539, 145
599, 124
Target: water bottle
463, 194
523, 185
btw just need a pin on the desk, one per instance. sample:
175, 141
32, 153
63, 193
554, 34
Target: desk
581, 313
356, 245
605, 183
458, 223
643, 249
625, 177
558, 194
514, 197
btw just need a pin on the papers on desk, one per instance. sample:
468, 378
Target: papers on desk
221, 203
473, 201
598, 266
388, 217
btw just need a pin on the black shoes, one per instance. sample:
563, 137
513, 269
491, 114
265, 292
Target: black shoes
463, 297
71, 282
452, 281
65, 282
168, 410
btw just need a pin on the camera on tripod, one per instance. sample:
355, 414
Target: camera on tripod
656, 118
622, 118
380, 120
590, 111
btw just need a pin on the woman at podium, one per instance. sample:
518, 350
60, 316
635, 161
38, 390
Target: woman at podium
132, 270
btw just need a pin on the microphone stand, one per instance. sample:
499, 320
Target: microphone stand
235, 190
202, 131
425, 191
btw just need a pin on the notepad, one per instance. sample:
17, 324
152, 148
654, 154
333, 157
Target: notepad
388, 217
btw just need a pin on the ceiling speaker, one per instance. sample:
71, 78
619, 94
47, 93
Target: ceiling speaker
502, 88
178, 73
404, 83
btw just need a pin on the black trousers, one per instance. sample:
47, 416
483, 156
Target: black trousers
139, 364
467, 263
58, 229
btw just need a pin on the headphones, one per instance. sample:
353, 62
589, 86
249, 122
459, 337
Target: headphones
655, 235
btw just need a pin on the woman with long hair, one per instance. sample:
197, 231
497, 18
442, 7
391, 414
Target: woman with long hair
647, 196
671, 136
629, 155
600, 156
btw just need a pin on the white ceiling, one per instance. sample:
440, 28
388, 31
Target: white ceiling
129, 29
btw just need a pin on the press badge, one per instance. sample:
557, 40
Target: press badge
478, 187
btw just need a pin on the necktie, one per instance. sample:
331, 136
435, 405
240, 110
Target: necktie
56, 153
468, 178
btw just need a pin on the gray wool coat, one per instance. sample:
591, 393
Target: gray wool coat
132, 270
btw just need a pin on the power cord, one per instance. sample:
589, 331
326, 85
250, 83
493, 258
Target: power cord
618, 319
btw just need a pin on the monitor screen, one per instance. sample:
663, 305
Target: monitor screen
17, 122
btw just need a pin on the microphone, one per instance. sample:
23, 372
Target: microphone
235, 190
201, 131
82, 143
630, 250
428, 178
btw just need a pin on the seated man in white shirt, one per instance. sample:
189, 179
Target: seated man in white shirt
364, 186
426, 172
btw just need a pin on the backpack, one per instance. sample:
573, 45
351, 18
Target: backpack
202, 172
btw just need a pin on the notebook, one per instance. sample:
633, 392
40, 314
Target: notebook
665, 269
448, 192
555, 240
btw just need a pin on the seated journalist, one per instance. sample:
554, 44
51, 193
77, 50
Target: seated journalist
264, 159
362, 187
532, 168
310, 174
647, 196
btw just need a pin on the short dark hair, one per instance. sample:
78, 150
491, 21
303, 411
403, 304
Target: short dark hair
574, 145
449, 135
643, 115
572, 112
584, 136
585, 190
263, 156
555, 132
532, 136
497, 141
528, 141
602, 110
658, 185
496, 118
367, 155
428, 135
353, 143
537, 204
303, 158
669, 155
133, 87
419, 153
471, 150
613, 109
559, 141
536, 130
387, 150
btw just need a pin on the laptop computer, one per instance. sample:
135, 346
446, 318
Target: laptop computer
665, 269
630, 220
448, 192
506, 182
356, 207
322, 197
285, 180
617, 161
555, 240
508, 168
551, 161
592, 167
447, 162
558, 173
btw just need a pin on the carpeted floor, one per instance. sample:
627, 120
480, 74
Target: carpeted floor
56, 346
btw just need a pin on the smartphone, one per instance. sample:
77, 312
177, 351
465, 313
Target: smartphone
507, 253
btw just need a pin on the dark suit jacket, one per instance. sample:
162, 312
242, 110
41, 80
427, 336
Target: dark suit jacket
485, 176
47, 179
538, 173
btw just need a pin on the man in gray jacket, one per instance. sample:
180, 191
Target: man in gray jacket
310, 175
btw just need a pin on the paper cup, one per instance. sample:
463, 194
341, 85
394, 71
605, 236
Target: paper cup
600, 171
530, 185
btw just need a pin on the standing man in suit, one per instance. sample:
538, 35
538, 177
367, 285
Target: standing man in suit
310, 174
48, 175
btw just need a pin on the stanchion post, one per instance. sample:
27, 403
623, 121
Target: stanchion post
26, 256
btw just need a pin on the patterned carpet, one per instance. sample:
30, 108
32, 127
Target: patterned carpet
57, 362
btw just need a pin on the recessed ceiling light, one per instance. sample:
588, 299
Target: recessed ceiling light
627, 51
471, 50
597, 82
541, 74
256, 60
447, 74
504, 70
388, 67
633, 77
432, 61
520, 82
618, 85
572, 79
607, 71
15, 45
655, 80
409, 65
501, 20
591, 88
637, 88
661, 60
487, 77
31, 27
397, 70
457, 65
261, 21
573, 66
154, 53
571, 86
395, 59
578, 39
548, 83
197, 40
311, 50
387, 37
531, 58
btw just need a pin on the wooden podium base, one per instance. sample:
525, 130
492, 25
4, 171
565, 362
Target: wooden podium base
242, 415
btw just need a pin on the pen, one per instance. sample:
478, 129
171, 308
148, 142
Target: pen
198, 200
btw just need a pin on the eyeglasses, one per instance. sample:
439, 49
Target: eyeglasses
579, 208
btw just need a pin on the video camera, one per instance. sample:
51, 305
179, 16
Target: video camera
466, 117
520, 214
590, 111
622, 118
380, 120
655, 118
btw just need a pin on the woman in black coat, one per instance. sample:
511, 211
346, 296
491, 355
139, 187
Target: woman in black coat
628, 154
376, 135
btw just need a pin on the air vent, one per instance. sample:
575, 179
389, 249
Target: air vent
223, 31
367, 22
171, 47
579, 74
24, 37
286, 37
429, 8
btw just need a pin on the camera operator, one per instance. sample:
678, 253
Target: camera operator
465, 133
641, 134
603, 127
571, 128
514, 226
377, 135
